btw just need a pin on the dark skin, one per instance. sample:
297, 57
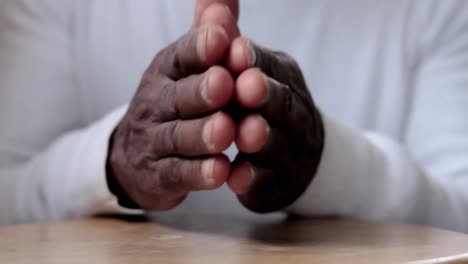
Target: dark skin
189, 108
273, 168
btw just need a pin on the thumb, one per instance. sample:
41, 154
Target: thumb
219, 12
202, 5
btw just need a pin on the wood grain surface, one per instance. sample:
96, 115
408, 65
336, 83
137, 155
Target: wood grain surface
218, 239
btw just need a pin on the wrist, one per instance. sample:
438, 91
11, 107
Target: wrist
113, 184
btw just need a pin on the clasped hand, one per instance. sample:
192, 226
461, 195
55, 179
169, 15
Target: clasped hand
206, 90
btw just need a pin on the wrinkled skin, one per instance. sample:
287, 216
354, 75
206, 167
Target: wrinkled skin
280, 163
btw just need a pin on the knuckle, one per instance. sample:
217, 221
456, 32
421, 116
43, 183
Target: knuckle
147, 81
170, 135
177, 65
178, 60
162, 57
140, 161
169, 61
170, 176
143, 112
167, 100
174, 133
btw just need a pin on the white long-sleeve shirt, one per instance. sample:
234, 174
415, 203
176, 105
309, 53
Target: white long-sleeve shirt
391, 78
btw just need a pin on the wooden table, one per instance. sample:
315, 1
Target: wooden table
217, 239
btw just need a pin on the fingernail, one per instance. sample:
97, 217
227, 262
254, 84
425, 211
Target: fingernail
204, 88
267, 87
201, 43
205, 36
267, 130
251, 56
206, 133
207, 169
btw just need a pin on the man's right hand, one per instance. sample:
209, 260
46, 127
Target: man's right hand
171, 139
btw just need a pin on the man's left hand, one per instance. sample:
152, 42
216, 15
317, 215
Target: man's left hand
281, 139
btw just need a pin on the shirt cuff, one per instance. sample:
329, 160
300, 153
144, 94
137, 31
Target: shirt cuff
100, 200
337, 186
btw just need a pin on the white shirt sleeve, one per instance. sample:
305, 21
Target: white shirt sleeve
423, 178
51, 166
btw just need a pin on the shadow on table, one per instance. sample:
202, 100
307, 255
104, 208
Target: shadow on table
282, 230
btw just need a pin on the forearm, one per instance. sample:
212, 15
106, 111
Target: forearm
366, 175
66, 180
